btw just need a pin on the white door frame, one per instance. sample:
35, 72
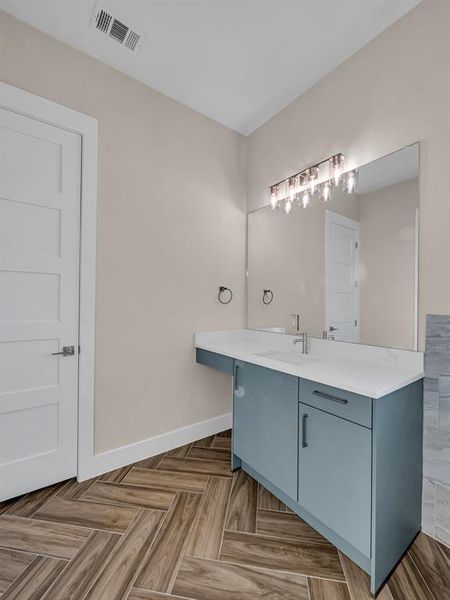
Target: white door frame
345, 221
416, 282
30, 105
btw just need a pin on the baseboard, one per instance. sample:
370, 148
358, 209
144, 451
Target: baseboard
125, 455
441, 542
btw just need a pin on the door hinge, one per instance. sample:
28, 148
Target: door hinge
79, 349
356, 245
356, 284
356, 323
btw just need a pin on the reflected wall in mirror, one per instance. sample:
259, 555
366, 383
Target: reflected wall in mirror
346, 267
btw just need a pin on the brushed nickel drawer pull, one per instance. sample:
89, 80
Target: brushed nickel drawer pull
329, 397
304, 442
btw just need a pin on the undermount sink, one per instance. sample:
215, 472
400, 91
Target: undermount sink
292, 358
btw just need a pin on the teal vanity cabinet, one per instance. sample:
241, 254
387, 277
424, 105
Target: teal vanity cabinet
349, 465
265, 428
360, 471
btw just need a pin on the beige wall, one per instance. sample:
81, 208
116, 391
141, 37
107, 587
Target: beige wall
171, 229
387, 265
287, 254
393, 92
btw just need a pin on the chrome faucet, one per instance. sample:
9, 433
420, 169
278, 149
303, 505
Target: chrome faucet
303, 339
326, 335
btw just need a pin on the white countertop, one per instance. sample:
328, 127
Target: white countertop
367, 370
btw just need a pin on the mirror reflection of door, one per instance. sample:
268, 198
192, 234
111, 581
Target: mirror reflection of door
341, 277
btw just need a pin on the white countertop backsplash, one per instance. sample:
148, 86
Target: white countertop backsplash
367, 370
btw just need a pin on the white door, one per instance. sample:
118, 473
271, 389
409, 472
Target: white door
341, 277
39, 274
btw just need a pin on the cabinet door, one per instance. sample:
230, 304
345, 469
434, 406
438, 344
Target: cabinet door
335, 474
265, 423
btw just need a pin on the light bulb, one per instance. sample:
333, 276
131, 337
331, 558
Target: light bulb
313, 174
273, 197
292, 188
326, 191
288, 206
306, 198
337, 165
350, 181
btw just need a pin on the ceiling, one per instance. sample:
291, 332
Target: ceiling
236, 61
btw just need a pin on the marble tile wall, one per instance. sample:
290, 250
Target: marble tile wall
436, 449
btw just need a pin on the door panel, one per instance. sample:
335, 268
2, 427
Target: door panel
335, 474
21, 222
39, 266
265, 433
35, 434
342, 294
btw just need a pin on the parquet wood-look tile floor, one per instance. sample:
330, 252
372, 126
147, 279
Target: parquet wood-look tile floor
182, 526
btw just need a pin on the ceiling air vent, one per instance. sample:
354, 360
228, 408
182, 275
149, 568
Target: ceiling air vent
107, 23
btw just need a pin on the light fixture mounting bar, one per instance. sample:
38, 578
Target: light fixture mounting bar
338, 158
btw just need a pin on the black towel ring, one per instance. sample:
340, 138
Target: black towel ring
267, 296
222, 290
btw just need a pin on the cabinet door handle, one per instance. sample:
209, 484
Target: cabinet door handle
304, 442
329, 397
236, 370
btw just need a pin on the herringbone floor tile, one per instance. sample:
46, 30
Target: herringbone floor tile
181, 526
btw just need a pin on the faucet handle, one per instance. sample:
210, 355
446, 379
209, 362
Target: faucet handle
297, 320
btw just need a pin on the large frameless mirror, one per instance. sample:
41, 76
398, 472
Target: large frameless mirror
344, 269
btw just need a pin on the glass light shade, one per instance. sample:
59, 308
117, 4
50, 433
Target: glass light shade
336, 168
350, 182
313, 174
288, 206
306, 198
292, 188
273, 197
326, 191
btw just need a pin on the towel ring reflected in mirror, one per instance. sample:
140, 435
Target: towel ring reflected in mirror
267, 296
224, 291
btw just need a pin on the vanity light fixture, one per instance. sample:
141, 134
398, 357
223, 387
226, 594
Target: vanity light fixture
316, 181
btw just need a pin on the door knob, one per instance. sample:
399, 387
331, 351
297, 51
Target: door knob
334, 328
66, 351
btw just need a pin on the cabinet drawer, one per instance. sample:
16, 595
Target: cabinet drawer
347, 405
